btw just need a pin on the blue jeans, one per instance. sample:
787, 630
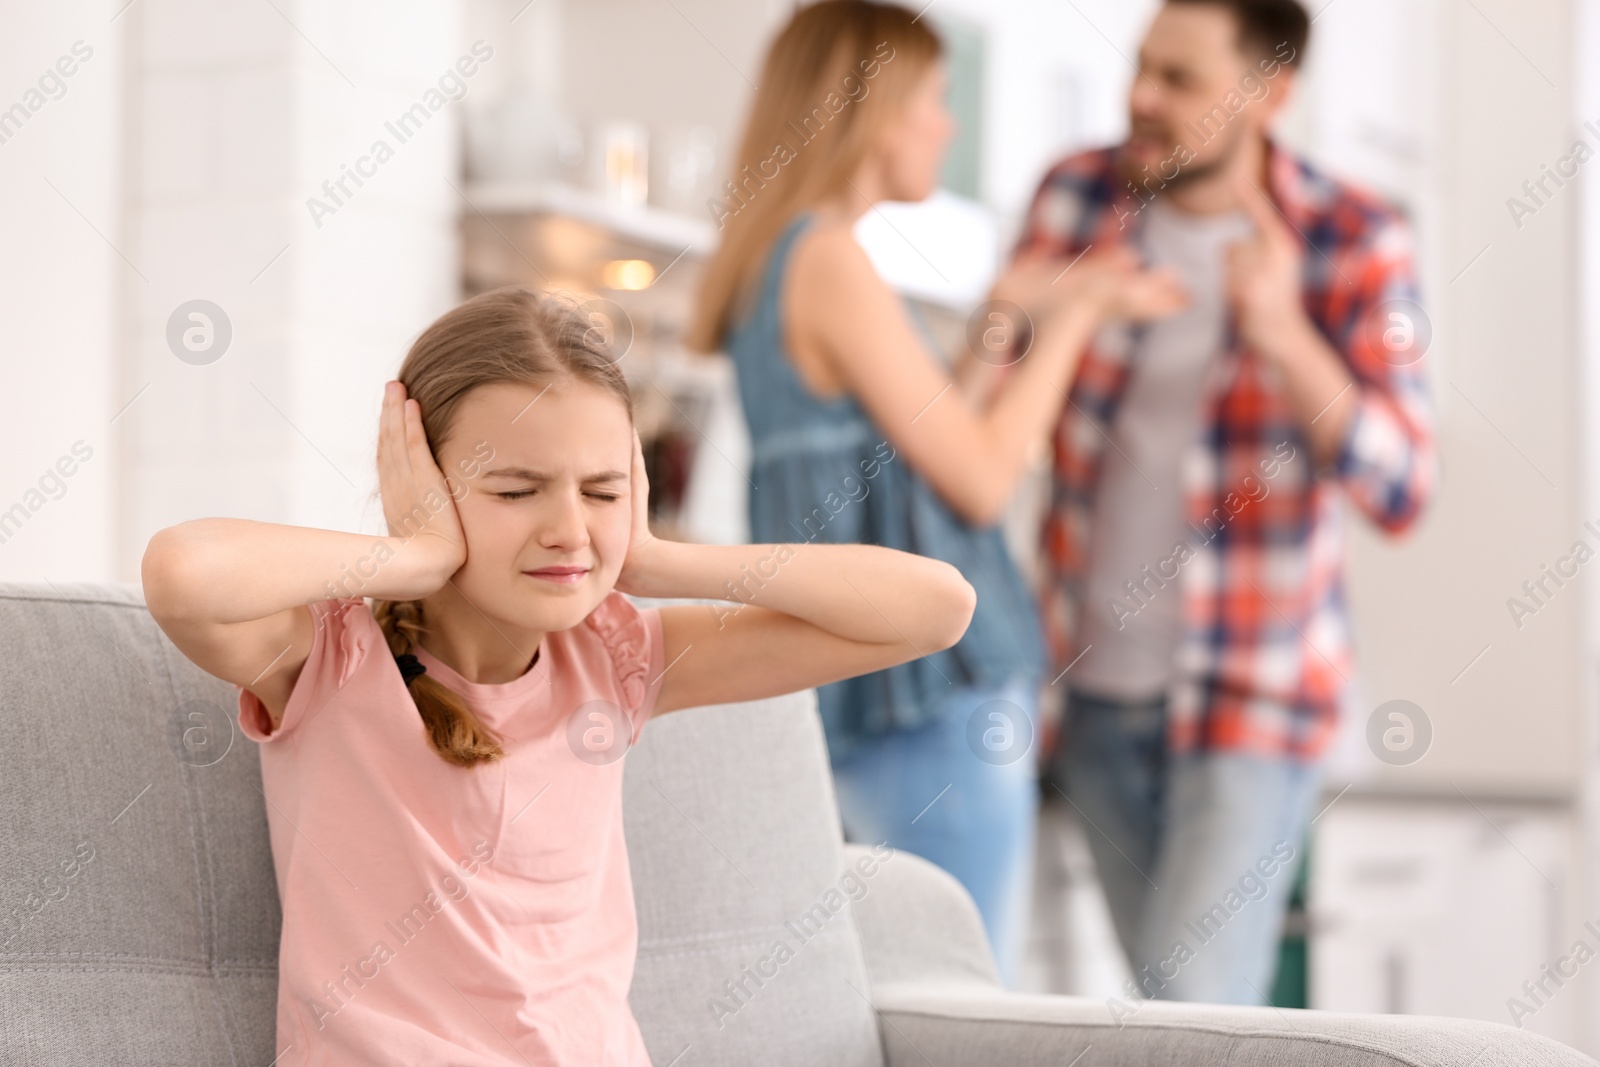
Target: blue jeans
961, 792
1197, 853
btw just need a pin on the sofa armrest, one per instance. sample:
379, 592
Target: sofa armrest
917, 922
963, 1026
939, 1001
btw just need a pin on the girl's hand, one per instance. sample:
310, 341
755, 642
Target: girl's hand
417, 501
631, 579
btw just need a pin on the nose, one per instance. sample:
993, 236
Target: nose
1144, 99
562, 523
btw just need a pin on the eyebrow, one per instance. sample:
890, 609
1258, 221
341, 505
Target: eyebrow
527, 474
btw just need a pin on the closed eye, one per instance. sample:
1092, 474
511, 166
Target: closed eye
520, 493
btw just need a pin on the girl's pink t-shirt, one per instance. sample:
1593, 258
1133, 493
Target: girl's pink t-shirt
440, 915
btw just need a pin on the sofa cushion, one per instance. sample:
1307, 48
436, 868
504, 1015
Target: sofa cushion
138, 911
748, 951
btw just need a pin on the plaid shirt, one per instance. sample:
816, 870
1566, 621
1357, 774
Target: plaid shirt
1264, 663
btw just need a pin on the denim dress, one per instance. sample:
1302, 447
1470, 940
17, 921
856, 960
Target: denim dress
823, 472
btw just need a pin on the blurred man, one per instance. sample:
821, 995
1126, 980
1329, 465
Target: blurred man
1193, 546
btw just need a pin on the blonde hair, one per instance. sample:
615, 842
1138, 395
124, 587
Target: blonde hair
832, 79
512, 335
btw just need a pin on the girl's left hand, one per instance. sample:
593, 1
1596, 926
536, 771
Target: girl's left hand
631, 578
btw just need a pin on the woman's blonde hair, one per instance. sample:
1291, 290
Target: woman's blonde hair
831, 80
512, 335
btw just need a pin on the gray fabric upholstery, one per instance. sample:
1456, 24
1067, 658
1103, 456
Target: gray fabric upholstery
956, 1026
139, 917
733, 836
162, 947
909, 898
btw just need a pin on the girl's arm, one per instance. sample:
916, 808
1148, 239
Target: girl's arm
797, 615
232, 593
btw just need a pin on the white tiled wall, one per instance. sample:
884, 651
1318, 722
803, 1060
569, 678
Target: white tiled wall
237, 118
177, 166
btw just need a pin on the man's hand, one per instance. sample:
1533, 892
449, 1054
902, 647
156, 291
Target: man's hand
1264, 291
1264, 279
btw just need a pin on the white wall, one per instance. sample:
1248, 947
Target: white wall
191, 142
243, 114
60, 280
1504, 366
1585, 45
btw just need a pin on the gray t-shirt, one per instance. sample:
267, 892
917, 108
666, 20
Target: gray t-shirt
1138, 514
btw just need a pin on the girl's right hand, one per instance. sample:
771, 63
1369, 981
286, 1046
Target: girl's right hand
417, 502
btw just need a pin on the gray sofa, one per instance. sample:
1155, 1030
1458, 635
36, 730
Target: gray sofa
140, 919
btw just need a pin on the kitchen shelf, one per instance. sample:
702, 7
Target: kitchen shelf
645, 224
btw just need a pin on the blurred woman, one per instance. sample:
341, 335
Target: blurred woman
858, 436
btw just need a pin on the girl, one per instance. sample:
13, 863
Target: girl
838, 378
443, 768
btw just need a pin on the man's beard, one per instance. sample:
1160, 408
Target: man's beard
1191, 173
